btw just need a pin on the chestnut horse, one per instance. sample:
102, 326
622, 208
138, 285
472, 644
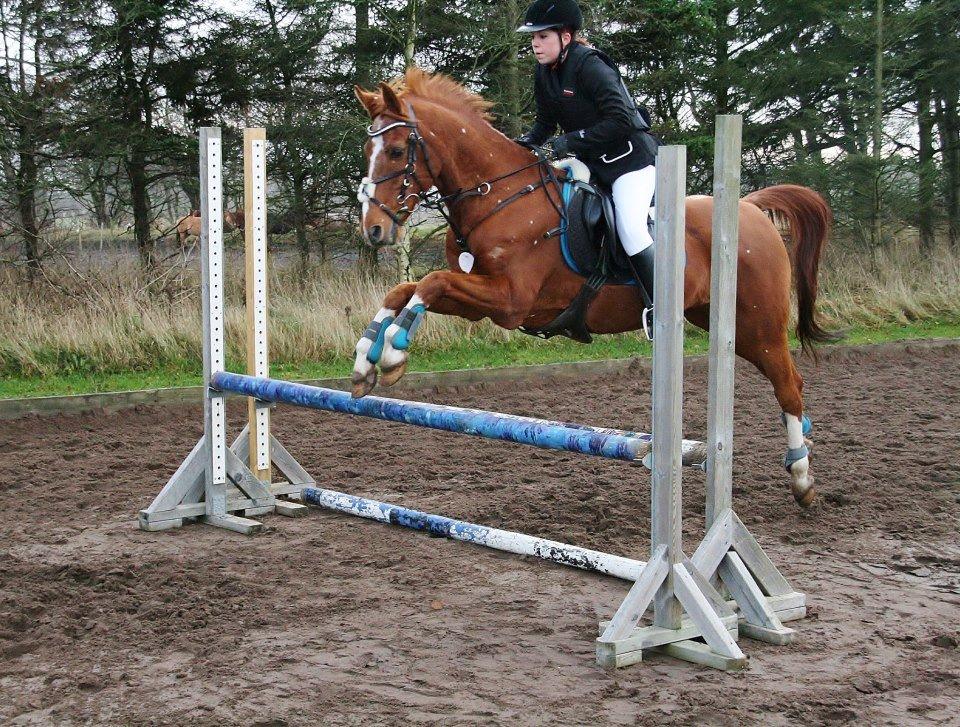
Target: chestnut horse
187, 226
428, 131
235, 219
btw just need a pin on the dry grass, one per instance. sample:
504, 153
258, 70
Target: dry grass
894, 285
107, 317
84, 319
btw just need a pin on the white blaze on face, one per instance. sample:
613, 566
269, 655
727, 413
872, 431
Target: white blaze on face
374, 153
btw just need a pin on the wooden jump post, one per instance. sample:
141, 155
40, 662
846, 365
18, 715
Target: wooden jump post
670, 582
214, 483
729, 551
729, 556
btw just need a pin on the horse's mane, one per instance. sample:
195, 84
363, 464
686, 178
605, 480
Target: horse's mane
442, 90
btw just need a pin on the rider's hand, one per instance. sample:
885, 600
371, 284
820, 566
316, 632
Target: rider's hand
561, 147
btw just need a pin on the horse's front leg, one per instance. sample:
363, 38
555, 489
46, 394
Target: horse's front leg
467, 296
369, 348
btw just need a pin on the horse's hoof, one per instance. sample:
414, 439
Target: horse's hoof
363, 384
388, 377
805, 497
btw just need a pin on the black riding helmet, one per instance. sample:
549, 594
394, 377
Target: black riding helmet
544, 14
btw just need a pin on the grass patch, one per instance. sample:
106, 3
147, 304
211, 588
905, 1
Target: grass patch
463, 354
101, 323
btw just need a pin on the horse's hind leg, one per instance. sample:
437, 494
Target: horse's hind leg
771, 355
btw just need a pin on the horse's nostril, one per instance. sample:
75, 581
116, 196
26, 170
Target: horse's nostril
374, 233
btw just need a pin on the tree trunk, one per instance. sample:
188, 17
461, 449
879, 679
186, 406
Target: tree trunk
140, 199
511, 72
138, 120
402, 248
98, 199
876, 227
362, 60
852, 141
722, 57
299, 213
926, 172
27, 210
27, 142
799, 149
949, 127
410, 44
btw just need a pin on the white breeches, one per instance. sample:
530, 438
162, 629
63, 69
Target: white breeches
632, 195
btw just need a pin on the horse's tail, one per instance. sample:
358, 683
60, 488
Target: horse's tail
809, 218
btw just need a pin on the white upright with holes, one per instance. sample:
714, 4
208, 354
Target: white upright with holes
214, 483
255, 231
211, 265
263, 449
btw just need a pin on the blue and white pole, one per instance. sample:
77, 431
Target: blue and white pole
609, 443
505, 540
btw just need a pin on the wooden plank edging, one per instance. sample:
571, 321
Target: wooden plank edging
119, 400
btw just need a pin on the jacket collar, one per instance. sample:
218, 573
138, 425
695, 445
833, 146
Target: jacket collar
572, 52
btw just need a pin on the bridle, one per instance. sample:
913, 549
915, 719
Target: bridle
368, 186
431, 197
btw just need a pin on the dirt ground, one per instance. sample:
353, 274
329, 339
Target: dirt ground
334, 620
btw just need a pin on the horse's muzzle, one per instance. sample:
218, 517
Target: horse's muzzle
376, 236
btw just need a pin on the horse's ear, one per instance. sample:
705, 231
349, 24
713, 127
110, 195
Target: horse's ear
391, 100
368, 99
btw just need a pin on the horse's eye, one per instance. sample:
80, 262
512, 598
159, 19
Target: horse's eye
396, 152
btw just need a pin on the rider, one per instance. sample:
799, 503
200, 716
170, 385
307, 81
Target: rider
579, 88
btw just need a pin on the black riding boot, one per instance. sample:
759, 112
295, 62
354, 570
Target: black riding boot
642, 266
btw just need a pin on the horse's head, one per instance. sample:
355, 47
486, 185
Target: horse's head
399, 170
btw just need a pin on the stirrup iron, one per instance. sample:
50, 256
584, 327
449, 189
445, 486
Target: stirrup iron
646, 318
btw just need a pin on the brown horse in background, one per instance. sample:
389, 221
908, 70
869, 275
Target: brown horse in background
427, 130
234, 219
188, 225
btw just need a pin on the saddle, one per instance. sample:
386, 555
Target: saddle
591, 248
589, 240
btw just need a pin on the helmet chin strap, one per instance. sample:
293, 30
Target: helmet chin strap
563, 48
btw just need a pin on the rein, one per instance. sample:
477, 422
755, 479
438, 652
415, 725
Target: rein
442, 203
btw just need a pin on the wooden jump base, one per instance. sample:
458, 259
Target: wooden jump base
692, 619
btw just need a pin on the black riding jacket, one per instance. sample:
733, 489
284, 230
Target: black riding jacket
586, 97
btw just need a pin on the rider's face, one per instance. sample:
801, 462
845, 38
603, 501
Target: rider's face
546, 45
